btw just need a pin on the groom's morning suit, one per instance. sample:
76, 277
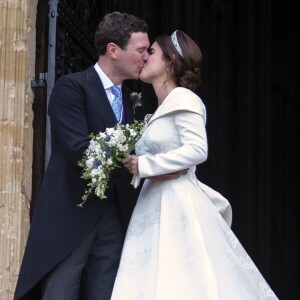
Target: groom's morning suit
78, 107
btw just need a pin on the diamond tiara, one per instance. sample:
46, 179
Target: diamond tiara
175, 42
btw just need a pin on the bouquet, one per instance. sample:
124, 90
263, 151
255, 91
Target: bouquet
104, 153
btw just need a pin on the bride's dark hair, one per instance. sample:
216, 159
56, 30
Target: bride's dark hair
186, 67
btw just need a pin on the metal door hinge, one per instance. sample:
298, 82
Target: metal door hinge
41, 82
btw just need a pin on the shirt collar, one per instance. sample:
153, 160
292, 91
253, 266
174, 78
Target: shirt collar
107, 83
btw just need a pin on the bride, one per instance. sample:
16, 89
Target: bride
179, 244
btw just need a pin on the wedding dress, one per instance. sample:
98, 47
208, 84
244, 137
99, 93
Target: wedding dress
179, 245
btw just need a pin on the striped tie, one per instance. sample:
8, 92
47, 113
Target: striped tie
117, 102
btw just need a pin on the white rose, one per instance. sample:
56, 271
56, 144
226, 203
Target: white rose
89, 163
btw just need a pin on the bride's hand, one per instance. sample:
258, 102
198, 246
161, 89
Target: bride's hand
131, 163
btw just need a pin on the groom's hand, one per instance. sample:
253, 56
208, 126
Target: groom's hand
173, 175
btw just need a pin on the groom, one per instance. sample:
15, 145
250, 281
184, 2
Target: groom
72, 252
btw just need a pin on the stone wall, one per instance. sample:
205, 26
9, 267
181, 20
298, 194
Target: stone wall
17, 56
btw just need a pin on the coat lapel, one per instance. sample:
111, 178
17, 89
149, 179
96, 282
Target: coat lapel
157, 114
99, 97
175, 102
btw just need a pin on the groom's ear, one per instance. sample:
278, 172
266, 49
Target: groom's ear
112, 50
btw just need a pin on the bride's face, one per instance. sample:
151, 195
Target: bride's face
155, 67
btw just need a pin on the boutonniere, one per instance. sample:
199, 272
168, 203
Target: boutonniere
136, 99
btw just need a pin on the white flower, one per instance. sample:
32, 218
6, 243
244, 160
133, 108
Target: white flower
89, 163
132, 132
122, 147
109, 131
109, 161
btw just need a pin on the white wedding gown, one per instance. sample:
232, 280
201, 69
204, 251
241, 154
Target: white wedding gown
179, 245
